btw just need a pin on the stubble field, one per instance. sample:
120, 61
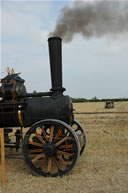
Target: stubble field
103, 167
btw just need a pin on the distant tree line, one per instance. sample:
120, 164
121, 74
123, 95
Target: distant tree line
95, 99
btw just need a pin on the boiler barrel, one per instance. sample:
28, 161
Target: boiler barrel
36, 109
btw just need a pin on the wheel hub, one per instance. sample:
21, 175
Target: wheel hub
49, 149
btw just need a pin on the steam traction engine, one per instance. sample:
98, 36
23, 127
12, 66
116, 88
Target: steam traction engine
53, 140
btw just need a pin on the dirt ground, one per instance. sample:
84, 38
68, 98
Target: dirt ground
103, 167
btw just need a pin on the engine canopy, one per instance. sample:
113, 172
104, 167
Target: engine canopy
12, 87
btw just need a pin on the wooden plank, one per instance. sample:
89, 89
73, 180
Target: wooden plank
3, 179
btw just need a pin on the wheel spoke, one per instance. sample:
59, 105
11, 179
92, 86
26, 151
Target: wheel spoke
40, 138
76, 129
51, 133
62, 160
82, 144
59, 133
36, 150
49, 165
44, 133
64, 153
56, 163
65, 146
36, 144
42, 162
62, 140
37, 157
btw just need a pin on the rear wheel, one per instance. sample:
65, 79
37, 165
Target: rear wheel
50, 148
80, 132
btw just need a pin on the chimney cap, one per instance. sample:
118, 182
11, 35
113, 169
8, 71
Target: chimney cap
54, 38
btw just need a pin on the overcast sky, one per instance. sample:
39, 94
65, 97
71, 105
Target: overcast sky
95, 67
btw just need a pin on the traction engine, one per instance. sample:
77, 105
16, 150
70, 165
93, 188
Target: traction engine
53, 140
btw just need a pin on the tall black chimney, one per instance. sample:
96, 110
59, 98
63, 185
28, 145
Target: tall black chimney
55, 54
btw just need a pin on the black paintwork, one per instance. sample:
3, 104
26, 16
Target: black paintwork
34, 107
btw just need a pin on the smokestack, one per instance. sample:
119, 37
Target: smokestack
55, 55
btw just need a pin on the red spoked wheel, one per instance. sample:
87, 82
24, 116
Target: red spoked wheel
50, 148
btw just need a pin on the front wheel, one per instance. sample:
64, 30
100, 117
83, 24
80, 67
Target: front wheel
50, 148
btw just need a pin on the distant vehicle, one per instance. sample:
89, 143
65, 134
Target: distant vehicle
109, 104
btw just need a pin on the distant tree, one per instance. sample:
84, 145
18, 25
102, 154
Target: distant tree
94, 98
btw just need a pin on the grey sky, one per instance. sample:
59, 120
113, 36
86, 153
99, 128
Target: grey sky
94, 67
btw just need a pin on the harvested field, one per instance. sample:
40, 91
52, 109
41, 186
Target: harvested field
103, 167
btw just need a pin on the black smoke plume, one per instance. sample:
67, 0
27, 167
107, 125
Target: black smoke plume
92, 19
